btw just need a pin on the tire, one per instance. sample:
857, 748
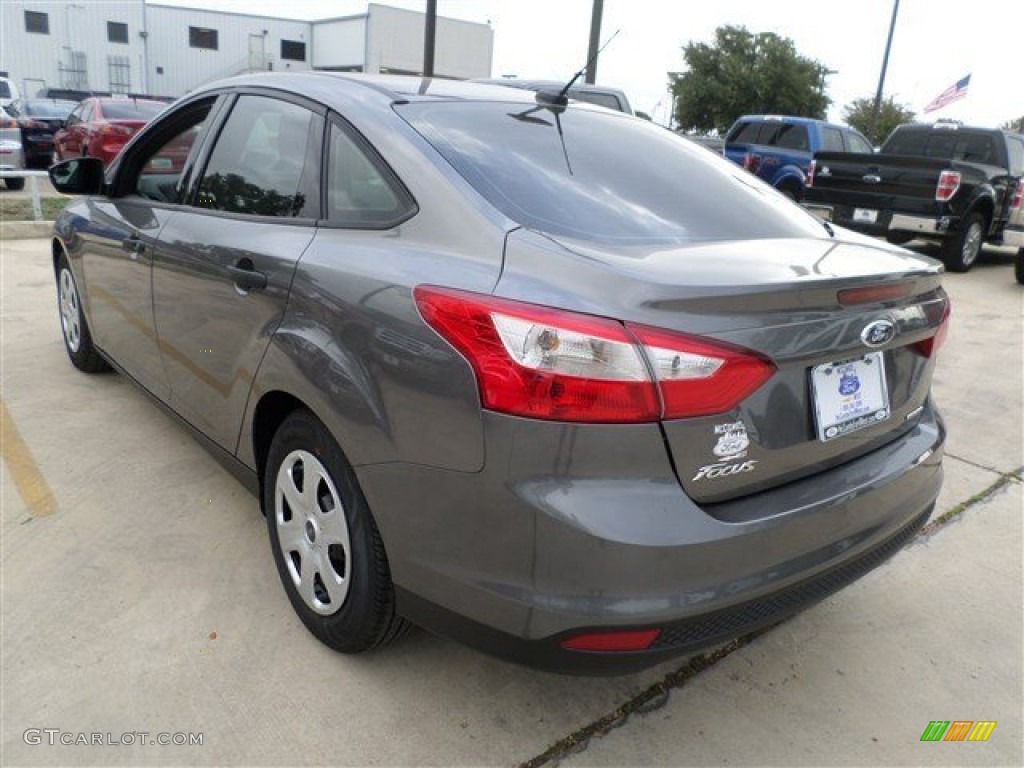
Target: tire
899, 238
324, 541
791, 191
15, 184
73, 325
961, 251
1018, 266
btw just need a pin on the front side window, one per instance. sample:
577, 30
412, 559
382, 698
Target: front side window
202, 37
258, 163
162, 163
591, 175
359, 192
37, 22
831, 139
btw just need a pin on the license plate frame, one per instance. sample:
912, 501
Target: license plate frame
865, 215
849, 395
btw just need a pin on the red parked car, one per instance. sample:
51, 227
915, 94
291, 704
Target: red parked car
99, 127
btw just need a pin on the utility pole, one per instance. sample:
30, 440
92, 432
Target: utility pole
595, 41
885, 65
428, 39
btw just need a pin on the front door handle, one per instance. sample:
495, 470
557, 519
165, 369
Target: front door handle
133, 245
245, 275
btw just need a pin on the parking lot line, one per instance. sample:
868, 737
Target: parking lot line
31, 485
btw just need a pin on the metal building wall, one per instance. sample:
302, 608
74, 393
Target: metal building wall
339, 43
38, 60
463, 49
178, 68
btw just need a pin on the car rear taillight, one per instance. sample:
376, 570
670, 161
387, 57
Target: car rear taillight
751, 162
112, 129
1018, 195
949, 183
811, 168
931, 345
547, 363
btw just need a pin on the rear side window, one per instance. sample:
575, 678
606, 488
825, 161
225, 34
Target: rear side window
792, 137
831, 139
259, 160
590, 175
744, 133
857, 143
361, 192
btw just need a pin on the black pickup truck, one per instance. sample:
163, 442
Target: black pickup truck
945, 182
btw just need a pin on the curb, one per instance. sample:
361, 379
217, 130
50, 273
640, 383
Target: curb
21, 230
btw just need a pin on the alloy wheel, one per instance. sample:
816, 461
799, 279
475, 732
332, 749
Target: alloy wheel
70, 311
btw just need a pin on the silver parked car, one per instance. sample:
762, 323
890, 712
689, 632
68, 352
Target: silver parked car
542, 377
12, 155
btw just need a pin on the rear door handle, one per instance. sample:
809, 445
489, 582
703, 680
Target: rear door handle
245, 275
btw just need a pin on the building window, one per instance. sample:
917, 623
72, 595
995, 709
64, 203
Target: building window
293, 50
119, 71
37, 22
202, 37
75, 75
117, 32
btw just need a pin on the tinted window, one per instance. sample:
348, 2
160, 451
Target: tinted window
257, 164
163, 161
831, 139
744, 133
359, 192
857, 143
293, 50
608, 100
5, 90
613, 179
37, 22
127, 109
945, 144
117, 32
202, 37
59, 109
792, 137
766, 133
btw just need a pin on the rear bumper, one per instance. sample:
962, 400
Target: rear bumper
1014, 238
885, 221
591, 532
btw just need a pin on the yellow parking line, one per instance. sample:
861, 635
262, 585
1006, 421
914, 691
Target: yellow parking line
24, 471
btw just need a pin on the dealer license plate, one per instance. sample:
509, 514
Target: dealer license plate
865, 215
849, 395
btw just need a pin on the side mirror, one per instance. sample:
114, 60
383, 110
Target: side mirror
78, 176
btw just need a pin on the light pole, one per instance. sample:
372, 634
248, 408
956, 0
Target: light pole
885, 64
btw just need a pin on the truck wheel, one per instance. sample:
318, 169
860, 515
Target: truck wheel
1018, 266
961, 251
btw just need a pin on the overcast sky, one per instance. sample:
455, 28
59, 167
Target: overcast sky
936, 43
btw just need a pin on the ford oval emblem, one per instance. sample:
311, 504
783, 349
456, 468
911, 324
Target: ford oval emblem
878, 333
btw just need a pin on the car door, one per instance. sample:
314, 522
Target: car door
225, 263
64, 138
120, 245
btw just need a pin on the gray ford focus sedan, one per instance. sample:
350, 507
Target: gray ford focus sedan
539, 376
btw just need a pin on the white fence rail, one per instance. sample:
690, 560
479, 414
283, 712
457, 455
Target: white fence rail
33, 188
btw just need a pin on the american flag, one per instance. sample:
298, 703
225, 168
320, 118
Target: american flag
956, 91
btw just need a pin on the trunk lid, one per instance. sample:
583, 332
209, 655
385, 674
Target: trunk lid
779, 299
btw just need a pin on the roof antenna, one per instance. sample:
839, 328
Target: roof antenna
561, 98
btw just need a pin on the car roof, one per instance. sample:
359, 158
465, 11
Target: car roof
791, 119
394, 88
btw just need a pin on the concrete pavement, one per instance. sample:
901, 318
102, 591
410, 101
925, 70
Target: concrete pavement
145, 599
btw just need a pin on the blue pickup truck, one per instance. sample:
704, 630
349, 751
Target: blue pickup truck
779, 149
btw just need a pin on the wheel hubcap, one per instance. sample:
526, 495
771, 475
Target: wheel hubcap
312, 532
70, 316
972, 244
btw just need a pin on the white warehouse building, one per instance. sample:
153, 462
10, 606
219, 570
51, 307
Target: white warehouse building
134, 46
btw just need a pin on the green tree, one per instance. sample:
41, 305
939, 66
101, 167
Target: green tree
857, 114
745, 73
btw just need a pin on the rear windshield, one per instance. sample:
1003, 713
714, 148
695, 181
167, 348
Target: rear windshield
59, 109
131, 110
944, 144
613, 179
